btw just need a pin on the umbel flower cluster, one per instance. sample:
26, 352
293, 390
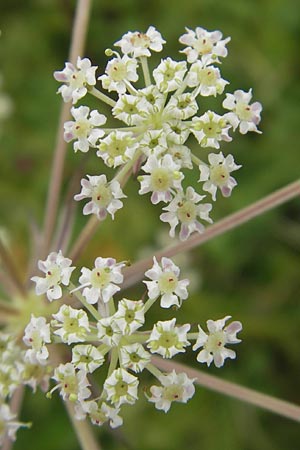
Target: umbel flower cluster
157, 124
106, 335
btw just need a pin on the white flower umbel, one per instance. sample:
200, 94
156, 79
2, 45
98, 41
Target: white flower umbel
101, 282
167, 340
117, 148
165, 283
169, 74
121, 387
210, 129
77, 79
139, 44
134, 357
204, 43
72, 324
244, 115
87, 357
58, 271
217, 174
108, 331
175, 388
118, 72
36, 335
105, 196
185, 210
73, 384
214, 342
164, 176
8, 424
130, 315
207, 79
84, 128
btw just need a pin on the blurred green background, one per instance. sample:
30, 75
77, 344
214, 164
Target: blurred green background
251, 273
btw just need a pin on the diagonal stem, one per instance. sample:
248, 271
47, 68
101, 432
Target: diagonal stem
77, 44
135, 272
273, 404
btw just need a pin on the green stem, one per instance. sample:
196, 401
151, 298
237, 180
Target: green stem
197, 161
104, 98
113, 361
193, 336
149, 303
87, 305
154, 370
145, 69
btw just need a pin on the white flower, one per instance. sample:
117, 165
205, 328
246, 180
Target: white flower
181, 155
214, 342
139, 44
167, 339
175, 388
34, 372
217, 175
73, 385
10, 376
58, 271
177, 132
101, 413
73, 324
207, 79
203, 43
78, 79
129, 316
243, 115
165, 282
108, 331
101, 282
164, 176
134, 357
185, 209
87, 357
8, 424
153, 142
182, 106
119, 71
151, 99
169, 74
211, 128
117, 148
36, 335
129, 109
105, 196
121, 387
84, 128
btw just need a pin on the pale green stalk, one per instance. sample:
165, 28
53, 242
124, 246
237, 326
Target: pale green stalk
82, 300
83, 431
146, 71
104, 98
234, 390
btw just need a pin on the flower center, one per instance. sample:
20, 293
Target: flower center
53, 275
82, 128
77, 80
168, 282
168, 339
187, 212
161, 179
173, 392
100, 278
215, 342
140, 40
118, 71
102, 195
203, 45
207, 77
121, 388
219, 174
243, 110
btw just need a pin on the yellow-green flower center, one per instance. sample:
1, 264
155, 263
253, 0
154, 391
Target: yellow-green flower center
219, 174
168, 282
100, 278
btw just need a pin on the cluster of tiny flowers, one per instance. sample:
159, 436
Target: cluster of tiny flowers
159, 121
108, 334
20, 367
